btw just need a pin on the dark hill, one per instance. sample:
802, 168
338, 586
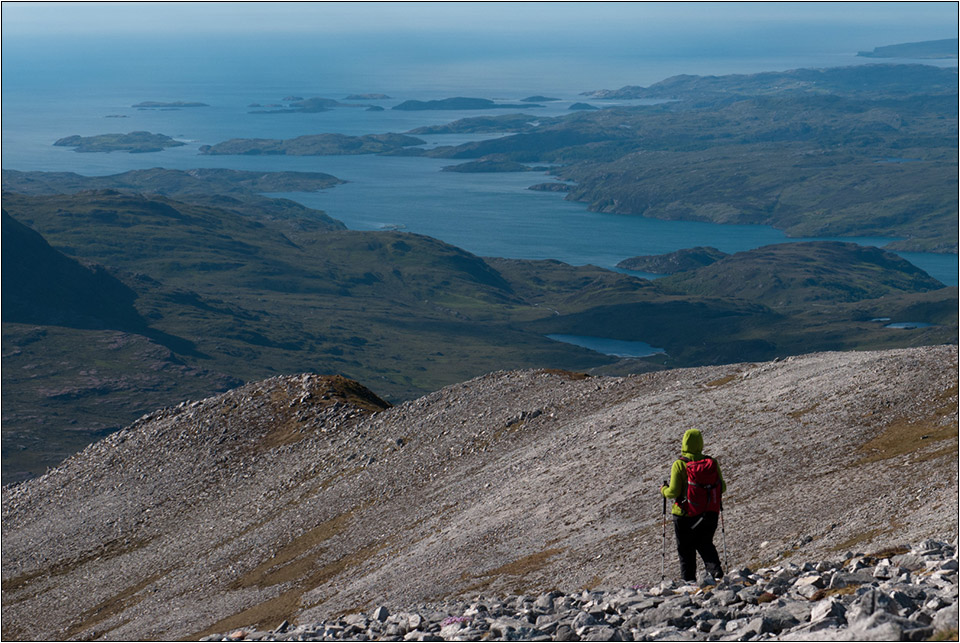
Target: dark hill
798, 274
43, 286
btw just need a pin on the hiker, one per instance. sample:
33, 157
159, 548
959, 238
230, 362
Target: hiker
696, 485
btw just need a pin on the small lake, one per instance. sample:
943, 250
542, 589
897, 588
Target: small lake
909, 325
613, 347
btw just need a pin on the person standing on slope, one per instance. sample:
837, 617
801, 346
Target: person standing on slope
696, 484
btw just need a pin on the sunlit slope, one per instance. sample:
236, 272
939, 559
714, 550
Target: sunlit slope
297, 498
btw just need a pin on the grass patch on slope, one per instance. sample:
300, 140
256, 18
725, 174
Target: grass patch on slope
903, 437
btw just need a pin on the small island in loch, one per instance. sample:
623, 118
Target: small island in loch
134, 142
458, 102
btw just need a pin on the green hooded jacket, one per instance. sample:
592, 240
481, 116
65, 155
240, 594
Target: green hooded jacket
692, 449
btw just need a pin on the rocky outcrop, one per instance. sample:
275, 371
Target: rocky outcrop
900, 594
304, 498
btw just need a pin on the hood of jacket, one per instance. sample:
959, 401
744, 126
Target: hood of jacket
692, 445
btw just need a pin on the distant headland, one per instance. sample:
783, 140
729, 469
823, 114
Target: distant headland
928, 49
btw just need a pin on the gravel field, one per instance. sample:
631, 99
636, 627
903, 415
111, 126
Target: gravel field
305, 498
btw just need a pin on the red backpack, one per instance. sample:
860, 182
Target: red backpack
703, 487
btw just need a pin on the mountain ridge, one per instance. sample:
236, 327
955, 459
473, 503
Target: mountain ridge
283, 500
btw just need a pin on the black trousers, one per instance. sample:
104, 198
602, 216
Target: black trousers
695, 535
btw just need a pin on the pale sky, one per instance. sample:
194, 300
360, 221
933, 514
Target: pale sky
29, 18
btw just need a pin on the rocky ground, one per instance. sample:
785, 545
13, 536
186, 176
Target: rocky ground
907, 595
305, 499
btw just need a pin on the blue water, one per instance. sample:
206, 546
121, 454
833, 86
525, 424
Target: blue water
496, 215
909, 325
614, 347
55, 87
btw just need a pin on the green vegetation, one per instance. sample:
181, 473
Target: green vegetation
795, 275
237, 191
860, 151
126, 302
134, 142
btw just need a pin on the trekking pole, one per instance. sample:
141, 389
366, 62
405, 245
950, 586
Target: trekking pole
723, 532
663, 536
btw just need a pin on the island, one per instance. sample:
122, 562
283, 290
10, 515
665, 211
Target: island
134, 142
488, 165
304, 106
367, 97
582, 106
152, 104
929, 49
538, 99
458, 102
315, 145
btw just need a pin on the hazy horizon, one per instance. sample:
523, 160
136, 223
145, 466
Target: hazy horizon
908, 18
